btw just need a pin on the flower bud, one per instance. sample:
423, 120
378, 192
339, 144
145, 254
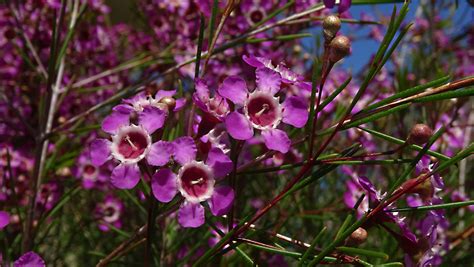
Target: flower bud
169, 102
331, 25
419, 134
358, 236
339, 47
425, 190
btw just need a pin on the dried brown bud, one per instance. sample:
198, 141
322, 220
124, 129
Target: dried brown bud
331, 25
339, 47
169, 102
358, 236
419, 134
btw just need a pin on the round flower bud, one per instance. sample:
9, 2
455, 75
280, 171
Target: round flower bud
358, 236
331, 25
425, 190
169, 102
339, 47
419, 134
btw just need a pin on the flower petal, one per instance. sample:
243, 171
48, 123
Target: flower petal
235, 89
152, 118
99, 151
184, 149
295, 111
191, 215
219, 162
164, 93
329, 3
221, 200
119, 117
238, 126
344, 5
268, 80
276, 139
164, 185
257, 62
125, 176
160, 153
123, 108
202, 91
4, 219
29, 259
180, 102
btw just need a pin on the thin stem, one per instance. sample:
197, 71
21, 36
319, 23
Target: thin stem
42, 143
230, 6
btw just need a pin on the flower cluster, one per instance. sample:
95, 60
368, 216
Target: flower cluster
271, 123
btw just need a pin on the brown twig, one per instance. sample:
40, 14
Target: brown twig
228, 9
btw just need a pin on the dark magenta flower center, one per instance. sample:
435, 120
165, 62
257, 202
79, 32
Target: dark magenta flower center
263, 110
256, 16
195, 181
89, 169
132, 145
109, 211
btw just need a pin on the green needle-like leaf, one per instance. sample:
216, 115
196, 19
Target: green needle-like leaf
199, 46
465, 92
376, 116
409, 92
451, 205
334, 94
364, 252
400, 142
312, 246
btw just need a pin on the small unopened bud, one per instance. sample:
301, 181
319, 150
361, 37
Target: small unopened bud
419, 134
358, 236
331, 25
339, 47
425, 190
169, 102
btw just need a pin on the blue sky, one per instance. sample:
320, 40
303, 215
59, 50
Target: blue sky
362, 50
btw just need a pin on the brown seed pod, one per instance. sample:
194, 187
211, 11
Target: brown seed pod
358, 236
419, 134
339, 47
169, 102
331, 25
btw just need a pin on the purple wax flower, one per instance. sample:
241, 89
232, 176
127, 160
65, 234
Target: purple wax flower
255, 11
49, 195
261, 109
432, 243
195, 181
287, 76
149, 109
361, 184
29, 259
90, 175
130, 144
109, 212
214, 108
